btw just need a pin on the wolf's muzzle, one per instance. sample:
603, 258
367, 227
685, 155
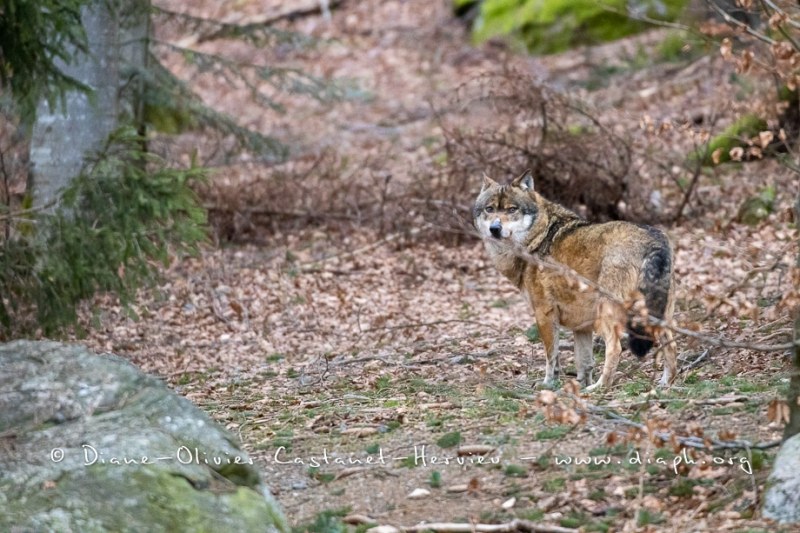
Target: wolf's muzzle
496, 229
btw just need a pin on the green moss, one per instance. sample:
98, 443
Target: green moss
555, 432
153, 499
679, 46
240, 474
516, 471
737, 134
548, 26
449, 440
682, 488
646, 517
328, 521
757, 208
636, 387
554, 485
534, 515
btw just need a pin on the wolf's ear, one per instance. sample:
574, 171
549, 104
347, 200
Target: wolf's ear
524, 181
488, 182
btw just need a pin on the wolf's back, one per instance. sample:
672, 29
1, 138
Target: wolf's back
655, 283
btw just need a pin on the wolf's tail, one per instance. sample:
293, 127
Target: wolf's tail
654, 283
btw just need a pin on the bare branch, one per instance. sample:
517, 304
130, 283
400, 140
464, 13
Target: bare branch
741, 25
525, 526
689, 441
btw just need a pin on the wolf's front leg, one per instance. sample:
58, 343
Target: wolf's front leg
584, 358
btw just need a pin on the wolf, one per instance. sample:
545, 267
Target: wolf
585, 277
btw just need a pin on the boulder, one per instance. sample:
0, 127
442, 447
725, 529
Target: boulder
90, 443
782, 496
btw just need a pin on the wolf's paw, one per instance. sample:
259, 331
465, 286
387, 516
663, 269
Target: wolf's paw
663, 383
596, 386
550, 384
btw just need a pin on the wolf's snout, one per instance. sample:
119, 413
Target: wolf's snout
496, 229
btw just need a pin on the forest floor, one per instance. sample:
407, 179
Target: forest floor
329, 343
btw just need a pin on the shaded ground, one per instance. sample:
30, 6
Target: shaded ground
353, 341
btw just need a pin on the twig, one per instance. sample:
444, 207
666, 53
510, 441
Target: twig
741, 25
515, 525
790, 21
276, 212
359, 360
691, 442
649, 20
314, 7
780, 27
780, 333
695, 363
358, 251
24, 212
421, 325
723, 400
233, 30
692, 184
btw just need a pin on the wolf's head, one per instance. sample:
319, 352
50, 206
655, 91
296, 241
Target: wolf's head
504, 212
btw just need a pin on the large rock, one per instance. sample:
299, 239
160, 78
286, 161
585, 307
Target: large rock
782, 497
70, 420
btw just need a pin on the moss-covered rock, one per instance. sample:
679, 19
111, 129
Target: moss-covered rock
736, 135
756, 209
89, 443
548, 26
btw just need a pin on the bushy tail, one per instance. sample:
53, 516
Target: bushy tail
654, 283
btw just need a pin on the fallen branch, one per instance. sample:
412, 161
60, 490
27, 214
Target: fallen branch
695, 363
265, 211
723, 400
363, 249
421, 325
514, 525
227, 30
688, 441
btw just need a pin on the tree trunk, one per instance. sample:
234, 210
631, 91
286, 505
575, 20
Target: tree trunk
782, 497
63, 138
793, 427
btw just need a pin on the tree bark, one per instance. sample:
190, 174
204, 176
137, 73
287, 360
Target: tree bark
62, 139
793, 427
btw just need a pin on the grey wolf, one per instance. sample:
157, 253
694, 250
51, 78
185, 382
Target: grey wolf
585, 277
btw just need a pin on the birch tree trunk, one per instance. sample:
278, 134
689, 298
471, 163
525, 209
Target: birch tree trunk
62, 138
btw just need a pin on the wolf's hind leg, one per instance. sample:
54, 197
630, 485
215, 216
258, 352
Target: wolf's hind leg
584, 358
609, 324
670, 349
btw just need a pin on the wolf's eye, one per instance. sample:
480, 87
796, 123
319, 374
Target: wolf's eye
489, 209
512, 209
